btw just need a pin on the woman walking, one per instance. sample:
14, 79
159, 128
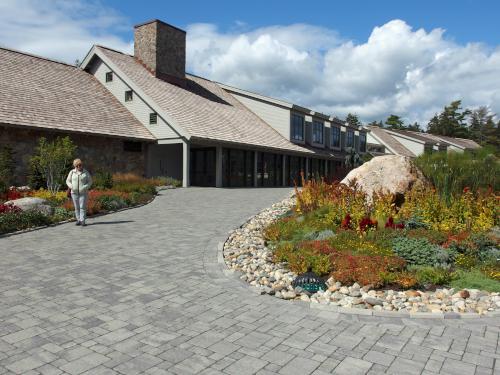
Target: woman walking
79, 181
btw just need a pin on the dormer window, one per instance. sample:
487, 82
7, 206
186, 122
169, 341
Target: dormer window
350, 139
297, 133
362, 142
318, 131
153, 118
335, 137
109, 76
129, 95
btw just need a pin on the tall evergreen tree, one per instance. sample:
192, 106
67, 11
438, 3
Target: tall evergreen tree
376, 123
353, 120
414, 127
451, 122
395, 122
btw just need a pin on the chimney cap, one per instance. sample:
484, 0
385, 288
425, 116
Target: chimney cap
159, 21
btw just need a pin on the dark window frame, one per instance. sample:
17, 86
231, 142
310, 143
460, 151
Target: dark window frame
336, 132
153, 118
132, 146
129, 95
109, 77
316, 133
297, 121
349, 138
362, 142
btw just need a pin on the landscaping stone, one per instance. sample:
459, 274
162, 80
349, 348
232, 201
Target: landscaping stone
245, 251
389, 173
31, 203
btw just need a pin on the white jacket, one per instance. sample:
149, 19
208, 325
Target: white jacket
79, 182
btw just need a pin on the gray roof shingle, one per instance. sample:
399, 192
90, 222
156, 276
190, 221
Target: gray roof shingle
390, 141
43, 93
202, 108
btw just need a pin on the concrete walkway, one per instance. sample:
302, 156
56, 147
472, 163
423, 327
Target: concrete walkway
140, 291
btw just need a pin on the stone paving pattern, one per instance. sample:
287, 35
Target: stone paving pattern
141, 291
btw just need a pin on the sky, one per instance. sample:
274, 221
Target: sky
372, 58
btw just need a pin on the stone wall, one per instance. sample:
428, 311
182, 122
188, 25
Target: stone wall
97, 152
162, 48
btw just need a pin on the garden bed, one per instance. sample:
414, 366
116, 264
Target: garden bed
426, 256
120, 192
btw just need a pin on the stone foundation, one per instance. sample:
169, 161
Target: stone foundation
96, 152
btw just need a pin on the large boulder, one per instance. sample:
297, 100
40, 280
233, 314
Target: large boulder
31, 203
390, 173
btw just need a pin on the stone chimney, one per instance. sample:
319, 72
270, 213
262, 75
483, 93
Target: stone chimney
162, 49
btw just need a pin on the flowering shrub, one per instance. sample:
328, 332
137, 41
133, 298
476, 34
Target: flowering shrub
365, 269
57, 198
14, 220
8, 208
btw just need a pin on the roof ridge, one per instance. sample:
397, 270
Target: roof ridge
37, 56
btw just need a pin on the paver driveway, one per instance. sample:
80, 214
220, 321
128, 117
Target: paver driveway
140, 291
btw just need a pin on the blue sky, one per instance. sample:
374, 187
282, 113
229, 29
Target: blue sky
464, 20
372, 58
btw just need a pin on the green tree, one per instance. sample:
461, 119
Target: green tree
353, 120
483, 128
6, 167
52, 160
415, 127
395, 122
452, 122
376, 123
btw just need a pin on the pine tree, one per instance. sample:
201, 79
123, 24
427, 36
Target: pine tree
451, 122
353, 120
395, 122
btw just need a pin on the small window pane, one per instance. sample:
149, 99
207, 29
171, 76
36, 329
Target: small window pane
297, 127
153, 118
350, 139
109, 76
362, 142
129, 96
318, 132
335, 136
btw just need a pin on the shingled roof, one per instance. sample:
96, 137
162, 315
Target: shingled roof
42, 93
202, 108
389, 141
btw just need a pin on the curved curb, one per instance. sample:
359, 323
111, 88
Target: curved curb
217, 247
27, 230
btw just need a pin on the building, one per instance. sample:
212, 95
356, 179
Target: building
144, 113
382, 141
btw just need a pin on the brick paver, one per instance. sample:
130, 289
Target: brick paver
141, 291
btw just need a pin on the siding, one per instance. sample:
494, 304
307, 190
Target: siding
415, 147
137, 106
277, 117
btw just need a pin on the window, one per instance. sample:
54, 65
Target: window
153, 118
297, 127
350, 139
129, 95
318, 132
109, 76
362, 142
335, 136
132, 146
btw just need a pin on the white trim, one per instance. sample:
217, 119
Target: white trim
169, 141
150, 102
256, 96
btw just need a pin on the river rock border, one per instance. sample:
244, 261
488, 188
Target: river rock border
246, 253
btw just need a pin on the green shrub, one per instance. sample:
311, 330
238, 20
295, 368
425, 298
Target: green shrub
166, 181
102, 180
419, 251
451, 172
6, 168
112, 202
474, 279
14, 221
61, 214
432, 275
134, 187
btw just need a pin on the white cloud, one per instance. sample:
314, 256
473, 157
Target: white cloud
413, 73
60, 29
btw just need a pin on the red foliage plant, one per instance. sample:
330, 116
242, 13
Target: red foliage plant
367, 223
391, 224
346, 222
8, 208
365, 269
